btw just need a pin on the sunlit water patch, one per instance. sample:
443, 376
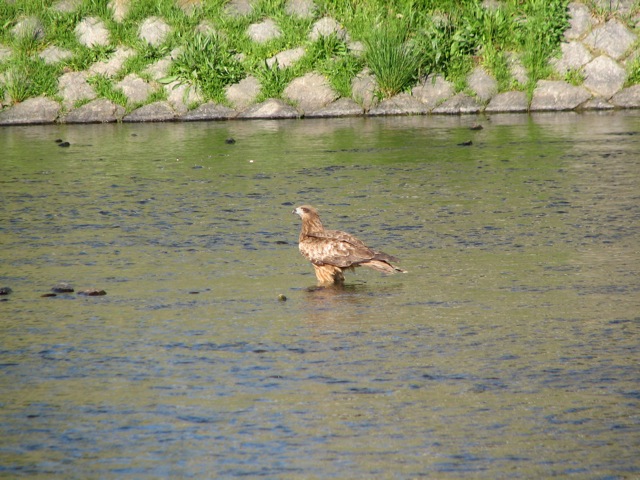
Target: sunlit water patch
509, 349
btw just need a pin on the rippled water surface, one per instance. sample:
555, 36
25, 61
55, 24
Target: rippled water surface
509, 350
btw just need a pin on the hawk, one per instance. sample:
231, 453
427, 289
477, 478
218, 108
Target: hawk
331, 252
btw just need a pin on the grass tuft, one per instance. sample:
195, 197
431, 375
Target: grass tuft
210, 63
26, 77
392, 58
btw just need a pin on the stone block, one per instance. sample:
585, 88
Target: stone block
271, 108
604, 76
38, 110
482, 84
627, 98
460, 103
264, 31
300, 8
92, 32
154, 31
401, 104
612, 38
433, 91
310, 92
209, 111
73, 87
100, 110
574, 56
556, 95
363, 89
286, 58
135, 88
243, 93
508, 102
343, 107
580, 21
154, 112
326, 27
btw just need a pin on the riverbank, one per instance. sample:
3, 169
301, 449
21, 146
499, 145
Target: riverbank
597, 69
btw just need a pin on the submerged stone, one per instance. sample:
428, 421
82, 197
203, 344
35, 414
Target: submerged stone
62, 288
92, 292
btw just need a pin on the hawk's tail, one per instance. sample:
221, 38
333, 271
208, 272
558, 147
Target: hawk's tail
382, 266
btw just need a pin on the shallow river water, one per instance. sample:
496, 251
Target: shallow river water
511, 349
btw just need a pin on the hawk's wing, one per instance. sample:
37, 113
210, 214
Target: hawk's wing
333, 247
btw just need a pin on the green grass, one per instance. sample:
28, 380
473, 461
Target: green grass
208, 62
405, 40
104, 88
575, 76
392, 58
633, 72
26, 77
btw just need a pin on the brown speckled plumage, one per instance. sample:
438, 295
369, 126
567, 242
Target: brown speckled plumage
332, 252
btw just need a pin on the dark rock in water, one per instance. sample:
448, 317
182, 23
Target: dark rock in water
5, 291
58, 140
44, 295
92, 292
465, 144
477, 126
230, 141
62, 288
282, 298
64, 144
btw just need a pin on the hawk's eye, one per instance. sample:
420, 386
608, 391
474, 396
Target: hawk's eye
305, 210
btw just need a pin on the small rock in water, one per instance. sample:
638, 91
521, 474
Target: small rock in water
44, 295
58, 140
282, 297
64, 144
465, 144
477, 126
62, 288
92, 292
230, 141
5, 291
